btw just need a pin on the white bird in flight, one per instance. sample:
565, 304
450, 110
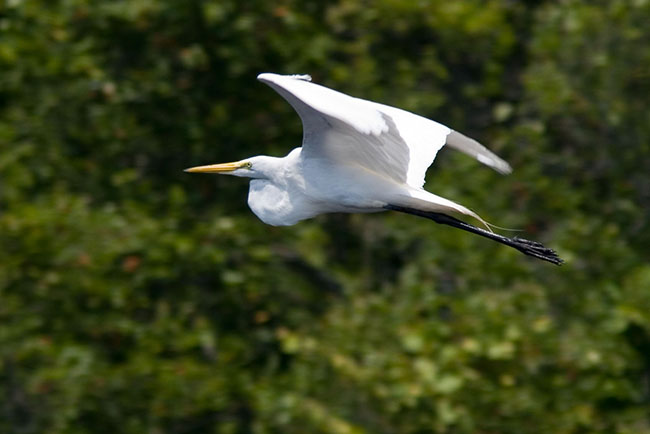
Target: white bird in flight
359, 156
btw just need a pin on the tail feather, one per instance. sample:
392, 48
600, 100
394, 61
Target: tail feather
424, 200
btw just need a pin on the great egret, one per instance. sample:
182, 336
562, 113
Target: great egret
358, 156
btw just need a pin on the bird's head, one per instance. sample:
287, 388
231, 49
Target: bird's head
254, 167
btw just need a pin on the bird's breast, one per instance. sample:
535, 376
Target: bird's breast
279, 204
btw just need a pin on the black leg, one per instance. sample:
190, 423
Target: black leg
527, 247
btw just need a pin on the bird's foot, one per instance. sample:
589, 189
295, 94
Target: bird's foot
537, 250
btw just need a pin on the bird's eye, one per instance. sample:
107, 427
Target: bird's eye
248, 165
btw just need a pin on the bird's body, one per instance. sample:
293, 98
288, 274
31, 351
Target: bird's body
358, 156
295, 191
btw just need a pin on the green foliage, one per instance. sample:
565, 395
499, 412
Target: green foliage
136, 298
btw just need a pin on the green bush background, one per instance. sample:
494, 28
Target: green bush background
135, 298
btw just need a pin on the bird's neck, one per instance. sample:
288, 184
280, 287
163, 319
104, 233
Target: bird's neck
277, 169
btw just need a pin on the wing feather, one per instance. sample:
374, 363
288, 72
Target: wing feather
474, 149
394, 143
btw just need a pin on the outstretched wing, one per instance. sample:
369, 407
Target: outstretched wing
391, 142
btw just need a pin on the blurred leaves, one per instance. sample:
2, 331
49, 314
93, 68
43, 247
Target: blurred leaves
136, 298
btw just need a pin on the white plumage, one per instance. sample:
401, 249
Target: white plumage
357, 156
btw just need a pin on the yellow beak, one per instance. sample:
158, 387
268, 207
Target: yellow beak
216, 168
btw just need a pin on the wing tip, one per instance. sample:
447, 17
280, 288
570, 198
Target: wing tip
473, 148
500, 166
271, 77
266, 76
506, 170
503, 167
